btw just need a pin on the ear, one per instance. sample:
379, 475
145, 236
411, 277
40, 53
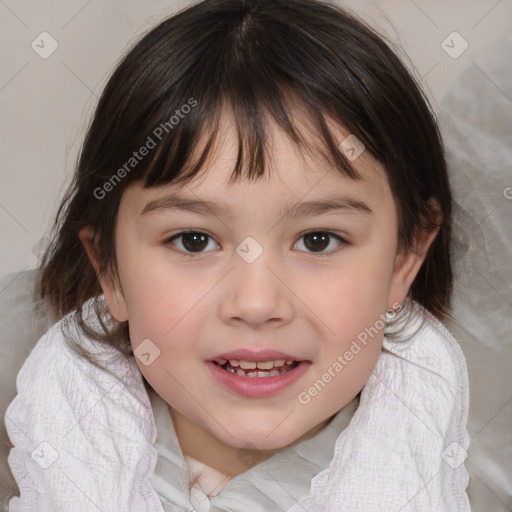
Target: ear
407, 265
112, 292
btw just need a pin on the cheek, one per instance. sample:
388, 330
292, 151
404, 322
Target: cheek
168, 334
353, 340
356, 292
156, 293
164, 303
351, 304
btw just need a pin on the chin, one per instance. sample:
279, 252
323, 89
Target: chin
274, 437
262, 443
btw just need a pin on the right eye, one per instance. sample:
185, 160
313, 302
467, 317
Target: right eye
191, 242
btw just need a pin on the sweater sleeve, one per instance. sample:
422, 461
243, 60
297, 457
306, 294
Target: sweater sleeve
82, 438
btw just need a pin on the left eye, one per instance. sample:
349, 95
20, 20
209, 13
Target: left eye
196, 242
318, 241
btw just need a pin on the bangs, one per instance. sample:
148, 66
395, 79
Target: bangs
185, 149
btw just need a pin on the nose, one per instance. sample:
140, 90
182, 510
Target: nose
256, 294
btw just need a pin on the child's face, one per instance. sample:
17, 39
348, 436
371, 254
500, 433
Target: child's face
305, 297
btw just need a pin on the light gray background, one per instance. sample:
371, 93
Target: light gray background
46, 103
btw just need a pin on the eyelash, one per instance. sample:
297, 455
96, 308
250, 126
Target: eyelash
169, 241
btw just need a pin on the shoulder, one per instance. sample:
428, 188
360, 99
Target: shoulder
56, 375
428, 343
54, 364
79, 422
429, 370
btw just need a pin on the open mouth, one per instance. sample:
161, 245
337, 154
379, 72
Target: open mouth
257, 374
252, 369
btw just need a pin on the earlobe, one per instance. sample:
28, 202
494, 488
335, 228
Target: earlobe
112, 292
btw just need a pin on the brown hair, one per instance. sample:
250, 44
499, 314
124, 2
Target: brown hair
261, 58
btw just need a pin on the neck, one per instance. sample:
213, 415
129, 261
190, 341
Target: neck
231, 461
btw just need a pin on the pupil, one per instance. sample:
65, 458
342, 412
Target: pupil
319, 240
193, 241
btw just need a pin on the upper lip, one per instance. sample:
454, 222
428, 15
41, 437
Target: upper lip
258, 355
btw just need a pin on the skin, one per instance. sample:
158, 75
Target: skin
310, 304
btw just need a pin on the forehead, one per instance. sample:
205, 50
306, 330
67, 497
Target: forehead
292, 172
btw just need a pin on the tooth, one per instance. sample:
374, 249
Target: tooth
251, 375
234, 362
262, 374
265, 365
274, 373
222, 361
240, 372
278, 363
247, 365
289, 362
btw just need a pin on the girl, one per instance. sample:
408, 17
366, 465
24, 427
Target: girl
249, 269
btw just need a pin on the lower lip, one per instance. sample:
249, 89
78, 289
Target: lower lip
257, 386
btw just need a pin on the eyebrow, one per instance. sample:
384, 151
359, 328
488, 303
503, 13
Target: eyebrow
300, 209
